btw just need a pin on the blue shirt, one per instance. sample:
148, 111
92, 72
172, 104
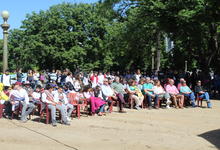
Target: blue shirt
185, 89
148, 86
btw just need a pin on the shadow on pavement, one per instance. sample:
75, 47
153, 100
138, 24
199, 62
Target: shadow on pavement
213, 137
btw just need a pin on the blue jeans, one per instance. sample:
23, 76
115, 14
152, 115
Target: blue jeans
149, 100
191, 96
205, 96
102, 108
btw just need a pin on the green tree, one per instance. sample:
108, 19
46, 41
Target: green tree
66, 35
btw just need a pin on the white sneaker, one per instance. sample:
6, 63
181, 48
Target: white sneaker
168, 102
68, 119
168, 107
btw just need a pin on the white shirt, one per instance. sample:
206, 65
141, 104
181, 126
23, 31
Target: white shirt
44, 99
107, 90
53, 76
36, 95
69, 79
101, 79
77, 85
158, 90
6, 80
57, 97
85, 81
137, 77
36, 76
20, 94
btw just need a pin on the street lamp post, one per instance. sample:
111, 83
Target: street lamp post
5, 26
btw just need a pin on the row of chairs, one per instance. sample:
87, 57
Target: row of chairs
44, 111
160, 100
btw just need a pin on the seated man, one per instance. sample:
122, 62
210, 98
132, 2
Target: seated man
60, 96
107, 92
160, 93
199, 90
120, 91
148, 91
187, 92
48, 97
174, 93
18, 94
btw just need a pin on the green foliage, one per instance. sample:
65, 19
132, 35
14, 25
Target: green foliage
66, 35
118, 35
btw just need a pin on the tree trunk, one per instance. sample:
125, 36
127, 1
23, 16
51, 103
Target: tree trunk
213, 45
158, 52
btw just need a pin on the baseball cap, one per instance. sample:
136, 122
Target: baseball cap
18, 83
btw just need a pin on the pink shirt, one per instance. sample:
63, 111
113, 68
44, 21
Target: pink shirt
172, 89
179, 86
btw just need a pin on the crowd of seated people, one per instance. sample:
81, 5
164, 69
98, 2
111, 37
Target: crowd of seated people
100, 91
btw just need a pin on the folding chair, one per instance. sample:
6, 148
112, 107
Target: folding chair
72, 100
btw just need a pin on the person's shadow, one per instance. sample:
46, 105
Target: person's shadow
213, 137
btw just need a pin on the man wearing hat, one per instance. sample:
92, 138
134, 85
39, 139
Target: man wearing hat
201, 92
48, 98
20, 95
187, 92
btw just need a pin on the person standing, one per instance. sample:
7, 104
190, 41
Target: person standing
6, 80
19, 75
137, 75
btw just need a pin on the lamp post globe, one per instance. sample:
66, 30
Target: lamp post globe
5, 15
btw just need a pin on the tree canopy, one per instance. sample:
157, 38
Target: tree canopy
119, 35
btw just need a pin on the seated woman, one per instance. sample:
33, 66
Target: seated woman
135, 94
88, 93
187, 92
199, 90
96, 102
174, 94
160, 93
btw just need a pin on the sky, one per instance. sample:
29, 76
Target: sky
19, 8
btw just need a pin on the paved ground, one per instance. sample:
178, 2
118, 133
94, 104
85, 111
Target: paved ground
191, 128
